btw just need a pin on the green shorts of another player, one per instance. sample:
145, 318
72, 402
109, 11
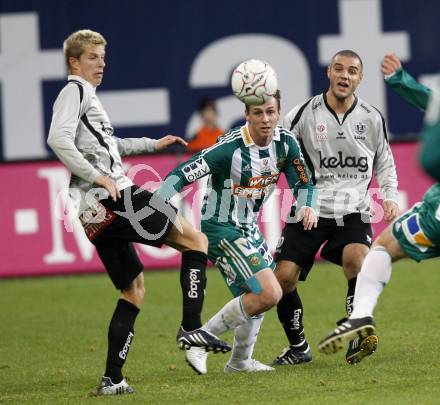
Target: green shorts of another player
412, 238
238, 257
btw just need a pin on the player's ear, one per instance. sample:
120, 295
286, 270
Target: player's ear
328, 71
73, 63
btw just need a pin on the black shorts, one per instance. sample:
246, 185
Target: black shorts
300, 246
113, 236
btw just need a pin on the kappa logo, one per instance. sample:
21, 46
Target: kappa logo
126, 348
196, 169
296, 316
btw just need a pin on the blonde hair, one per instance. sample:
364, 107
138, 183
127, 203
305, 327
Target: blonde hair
75, 43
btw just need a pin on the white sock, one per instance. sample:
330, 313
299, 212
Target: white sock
245, 338
373, 277
229, 317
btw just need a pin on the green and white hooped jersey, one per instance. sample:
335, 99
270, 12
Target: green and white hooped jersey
242, 176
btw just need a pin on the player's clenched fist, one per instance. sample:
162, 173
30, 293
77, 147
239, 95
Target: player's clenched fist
390, 64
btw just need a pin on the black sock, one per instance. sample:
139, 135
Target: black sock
193, 284
290, 314
120, 337
350, 296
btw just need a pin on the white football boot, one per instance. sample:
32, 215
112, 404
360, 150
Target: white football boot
254, 366
196, 357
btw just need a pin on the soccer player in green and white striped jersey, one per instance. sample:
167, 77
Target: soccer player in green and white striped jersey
243, 168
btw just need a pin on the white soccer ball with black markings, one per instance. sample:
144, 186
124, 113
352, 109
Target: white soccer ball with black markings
254, 82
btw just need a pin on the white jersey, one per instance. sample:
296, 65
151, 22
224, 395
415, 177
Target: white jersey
342, 152
82, 137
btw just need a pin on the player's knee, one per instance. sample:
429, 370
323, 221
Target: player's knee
140, 292
270, 297
198, 242
139, 296
202, 241
135, 294
287, 281
287, 274
352, 267
384, 240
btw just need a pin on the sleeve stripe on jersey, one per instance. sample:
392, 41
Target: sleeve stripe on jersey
383, 124
81, 93
232, 133
227, 139
299, 113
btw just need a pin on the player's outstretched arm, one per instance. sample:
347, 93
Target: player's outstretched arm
429, 154
136, 146
168, 140
403, 83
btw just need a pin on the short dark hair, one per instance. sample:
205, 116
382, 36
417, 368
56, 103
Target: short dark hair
349, 53
206, 102
276, 96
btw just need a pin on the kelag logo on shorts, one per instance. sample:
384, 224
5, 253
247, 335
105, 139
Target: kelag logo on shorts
332, 162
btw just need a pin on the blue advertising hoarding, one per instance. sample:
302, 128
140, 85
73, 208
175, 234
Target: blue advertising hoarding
163, 56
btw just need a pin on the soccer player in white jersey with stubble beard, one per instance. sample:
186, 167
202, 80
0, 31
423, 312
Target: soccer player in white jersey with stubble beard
343, 139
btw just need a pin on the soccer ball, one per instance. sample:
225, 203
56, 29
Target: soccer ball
254, 81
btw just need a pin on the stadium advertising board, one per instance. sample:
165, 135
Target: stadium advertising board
163, 56
41, 235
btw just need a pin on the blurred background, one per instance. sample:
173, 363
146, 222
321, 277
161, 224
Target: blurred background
163, 58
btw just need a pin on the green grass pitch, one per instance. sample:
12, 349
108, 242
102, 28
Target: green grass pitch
53, 344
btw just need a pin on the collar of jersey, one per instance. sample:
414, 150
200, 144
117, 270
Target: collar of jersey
83, 81
248, 141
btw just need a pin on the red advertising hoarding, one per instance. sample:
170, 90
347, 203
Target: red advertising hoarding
39, 235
